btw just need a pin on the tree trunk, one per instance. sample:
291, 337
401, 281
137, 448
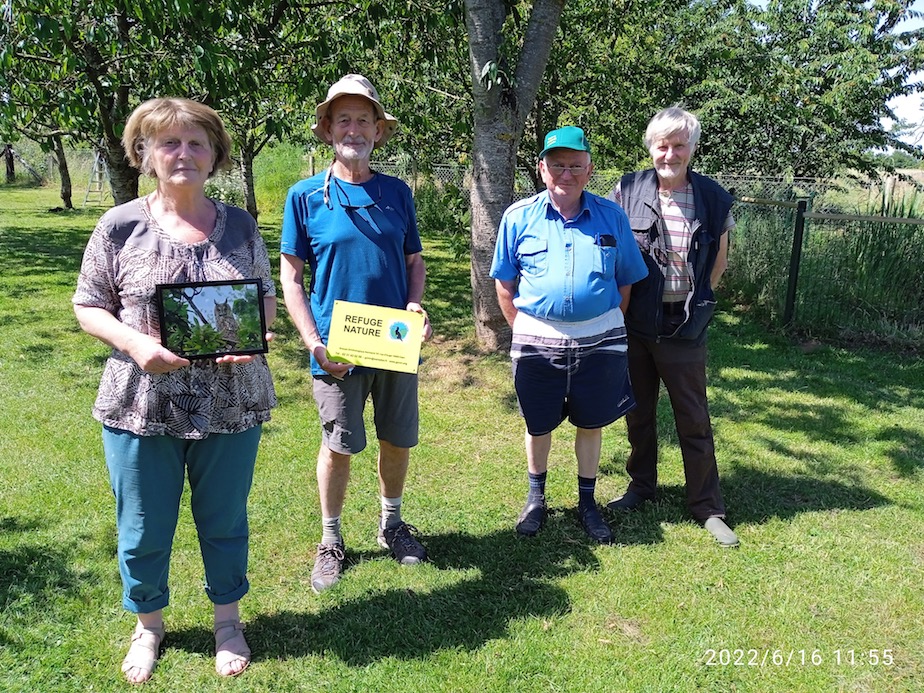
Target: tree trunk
247, 157
63, 171
492, 192
122, 177
500, 116
10, 164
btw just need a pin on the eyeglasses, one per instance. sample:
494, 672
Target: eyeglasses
342, 194
557, 169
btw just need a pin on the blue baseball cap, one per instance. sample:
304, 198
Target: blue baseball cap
569, 137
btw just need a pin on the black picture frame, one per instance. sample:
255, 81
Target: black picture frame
200, 320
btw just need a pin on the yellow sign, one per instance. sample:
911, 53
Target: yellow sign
387, 338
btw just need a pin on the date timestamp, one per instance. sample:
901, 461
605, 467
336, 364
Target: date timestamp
787, 657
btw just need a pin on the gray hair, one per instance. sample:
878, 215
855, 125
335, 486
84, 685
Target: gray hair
671, 121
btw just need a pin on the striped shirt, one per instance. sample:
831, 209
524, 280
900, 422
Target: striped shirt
678, 212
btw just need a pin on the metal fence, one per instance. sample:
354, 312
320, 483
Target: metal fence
841, 277
795, 256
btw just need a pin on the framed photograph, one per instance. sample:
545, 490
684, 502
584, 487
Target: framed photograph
209, 319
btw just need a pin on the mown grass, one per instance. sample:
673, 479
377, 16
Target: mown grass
821, 453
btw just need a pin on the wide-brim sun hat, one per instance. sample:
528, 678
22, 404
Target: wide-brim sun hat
353, 85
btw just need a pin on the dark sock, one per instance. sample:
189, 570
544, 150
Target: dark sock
586, 487
536, 486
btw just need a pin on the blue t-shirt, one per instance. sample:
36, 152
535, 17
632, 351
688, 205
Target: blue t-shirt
354, 239
568, 270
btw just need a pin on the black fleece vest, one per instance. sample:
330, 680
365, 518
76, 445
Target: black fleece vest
639, 195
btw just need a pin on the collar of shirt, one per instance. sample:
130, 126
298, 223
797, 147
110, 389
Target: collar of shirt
551, 212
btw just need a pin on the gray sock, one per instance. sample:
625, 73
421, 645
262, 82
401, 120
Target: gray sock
331, 531
391, 512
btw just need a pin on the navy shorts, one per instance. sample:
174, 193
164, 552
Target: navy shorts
590, 389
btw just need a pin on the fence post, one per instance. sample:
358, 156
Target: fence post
795, 259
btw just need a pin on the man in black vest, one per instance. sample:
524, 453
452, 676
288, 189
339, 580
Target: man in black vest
681, 221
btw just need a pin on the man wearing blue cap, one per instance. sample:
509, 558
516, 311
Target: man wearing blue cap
564, 264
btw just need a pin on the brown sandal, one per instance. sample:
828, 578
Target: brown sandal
230, 633
143, 652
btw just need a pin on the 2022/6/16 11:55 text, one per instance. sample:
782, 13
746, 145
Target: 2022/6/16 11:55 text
785, 657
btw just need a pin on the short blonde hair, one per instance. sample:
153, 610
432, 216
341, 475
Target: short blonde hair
155, 115
671, 121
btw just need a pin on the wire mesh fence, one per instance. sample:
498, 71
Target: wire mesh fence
858, 278
855, 278
841, 277
759, 254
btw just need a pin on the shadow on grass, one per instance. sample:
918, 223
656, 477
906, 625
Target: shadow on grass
759, 378
32, 575
837, 381
755, 496
27, 251
906, 449
35, 570
752, 496
9, 525
514, 581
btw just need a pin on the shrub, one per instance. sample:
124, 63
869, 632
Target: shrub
443, 210
227, 187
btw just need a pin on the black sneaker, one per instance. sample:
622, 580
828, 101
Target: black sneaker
402, 544
328, 565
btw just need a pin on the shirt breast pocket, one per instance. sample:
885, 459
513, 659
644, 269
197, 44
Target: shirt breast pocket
605, 261
643, 228
533, 255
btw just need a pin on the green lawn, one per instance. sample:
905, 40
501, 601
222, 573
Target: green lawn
821, 455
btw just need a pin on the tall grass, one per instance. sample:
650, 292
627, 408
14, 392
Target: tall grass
275, 170
858, 274
855, 279
858, 281
893, 200
759, 258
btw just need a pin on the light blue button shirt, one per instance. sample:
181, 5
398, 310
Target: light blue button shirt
568, 269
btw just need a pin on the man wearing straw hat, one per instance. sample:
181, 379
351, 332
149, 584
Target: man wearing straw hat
356, 229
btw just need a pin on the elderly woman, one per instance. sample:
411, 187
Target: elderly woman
165, 417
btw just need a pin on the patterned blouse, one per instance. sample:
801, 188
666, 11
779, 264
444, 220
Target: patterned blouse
127, 255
